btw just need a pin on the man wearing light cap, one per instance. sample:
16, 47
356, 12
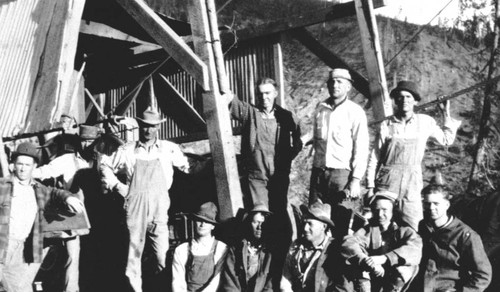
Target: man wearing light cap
341, 144
395, 163
22, 204
146, 169
384, 254
314, 263
66, 166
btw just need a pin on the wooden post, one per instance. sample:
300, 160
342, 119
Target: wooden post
381, 102
4, 163
217, 117
278, 73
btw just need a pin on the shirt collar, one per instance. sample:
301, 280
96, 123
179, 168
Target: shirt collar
310, 247
16, 181
143, 145
329, 102
394, 119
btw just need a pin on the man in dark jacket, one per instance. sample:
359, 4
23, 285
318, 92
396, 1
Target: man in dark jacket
22, 203
247, 266
314, 263
384, 254
270, 140
453, 256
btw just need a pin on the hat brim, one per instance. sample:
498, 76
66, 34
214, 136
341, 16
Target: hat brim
397, 90
204, 219
152, 123
307, 214
16, 154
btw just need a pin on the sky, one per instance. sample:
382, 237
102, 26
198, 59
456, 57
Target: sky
422, 11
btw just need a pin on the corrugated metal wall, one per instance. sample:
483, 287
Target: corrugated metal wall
244, 66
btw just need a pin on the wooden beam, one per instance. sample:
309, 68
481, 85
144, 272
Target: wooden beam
381, 103
278, 73
216, 113
308, 18
185, 106
4, 162
106, 31
94, 102
333, 61
168, 39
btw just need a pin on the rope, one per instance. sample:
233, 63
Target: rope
416, 34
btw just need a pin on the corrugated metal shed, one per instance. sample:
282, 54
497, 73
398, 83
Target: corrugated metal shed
36, 58
245, 65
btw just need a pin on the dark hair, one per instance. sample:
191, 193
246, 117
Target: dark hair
437, 189
267, 80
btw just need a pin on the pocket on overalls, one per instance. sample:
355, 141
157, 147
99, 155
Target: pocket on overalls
384, 178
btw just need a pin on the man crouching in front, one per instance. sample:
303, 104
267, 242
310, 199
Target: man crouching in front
313, 263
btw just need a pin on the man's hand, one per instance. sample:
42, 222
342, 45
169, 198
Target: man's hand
75, 205
122, 189
378, 271
445, 108
354, 188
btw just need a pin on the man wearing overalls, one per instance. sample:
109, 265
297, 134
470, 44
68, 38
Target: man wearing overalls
197, 264
396, 158
147, 169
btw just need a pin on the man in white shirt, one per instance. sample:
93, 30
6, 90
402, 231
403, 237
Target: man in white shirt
340, 143
67, 166
197, 264
22, 202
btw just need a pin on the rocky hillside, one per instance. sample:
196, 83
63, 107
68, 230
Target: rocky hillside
437, 60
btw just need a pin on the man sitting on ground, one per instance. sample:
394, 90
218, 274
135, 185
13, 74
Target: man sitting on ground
384, 254
197, 264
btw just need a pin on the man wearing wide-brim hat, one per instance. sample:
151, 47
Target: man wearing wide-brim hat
23, 201
396, 158
313, 262
147, 168
248, 264
384, 254
66, 166
341, 146
197, 263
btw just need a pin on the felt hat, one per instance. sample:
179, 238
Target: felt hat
409, 86
340, 73
89, 132
150, 117
207, 213
27, 149
259, 207
318, 211
383, 194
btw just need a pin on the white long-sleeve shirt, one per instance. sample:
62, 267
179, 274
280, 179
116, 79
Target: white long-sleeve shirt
198, 249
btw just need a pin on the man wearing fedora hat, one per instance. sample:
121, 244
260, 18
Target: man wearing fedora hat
197, 264
67, 166
314, 262
396, 157
22, 204
248, 264
340, 143
146, 171
384, 254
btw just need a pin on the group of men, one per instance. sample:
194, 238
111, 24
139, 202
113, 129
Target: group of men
382, 256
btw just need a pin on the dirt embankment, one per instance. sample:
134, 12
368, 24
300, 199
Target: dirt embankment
437, 60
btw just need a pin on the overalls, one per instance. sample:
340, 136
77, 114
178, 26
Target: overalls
261, 167
146, 206
200, 269
401, 173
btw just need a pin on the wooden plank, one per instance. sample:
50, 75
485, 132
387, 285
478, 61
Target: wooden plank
106, 31
4, 162
52, 81
94, 102
216, 113
381, 103
168, 39
308, 18
184, 106
333, 61
278, 73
